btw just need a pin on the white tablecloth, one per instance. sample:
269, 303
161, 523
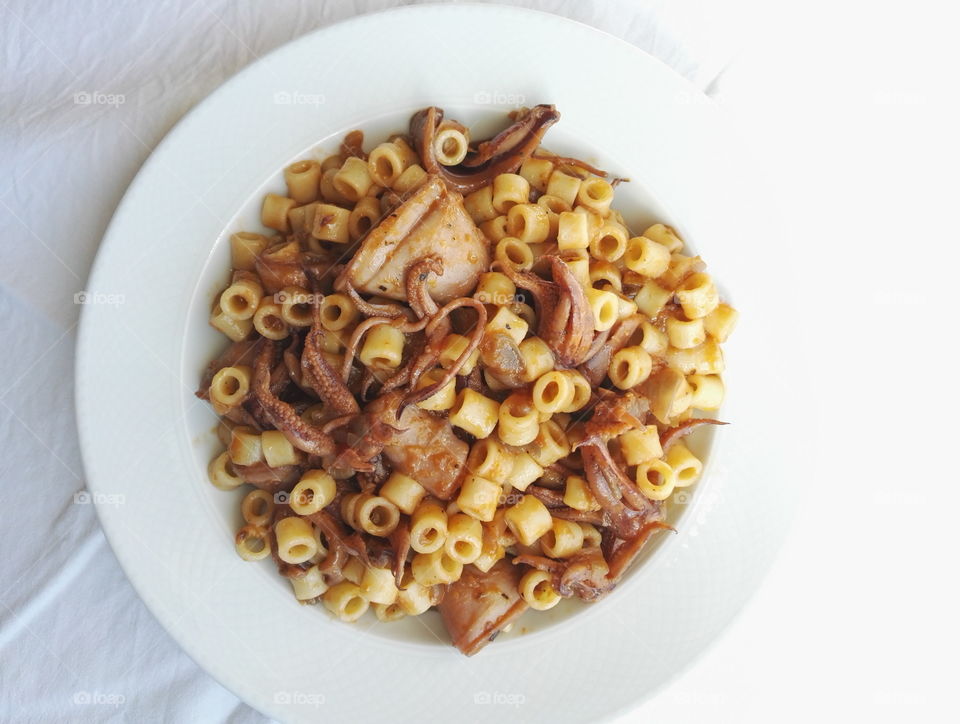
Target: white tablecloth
88, 89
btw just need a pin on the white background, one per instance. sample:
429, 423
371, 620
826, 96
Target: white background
853, 110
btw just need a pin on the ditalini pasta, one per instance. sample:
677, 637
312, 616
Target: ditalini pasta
455, 367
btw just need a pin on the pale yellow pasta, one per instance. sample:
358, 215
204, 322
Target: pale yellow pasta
697, 296
646, 256
363, 217
376, 515
656, 479
353, 180
509, 189
474, 413
506, 322
685, 465
328, 191
268, 320
580, 268
295, 307
403, 491
257, 507
414, 598
229, 387
554, 206
582, 391
609, 242
442, 399
489, 459
273, 213
277, 449
708, 391
627, 307
450, 145
245, 447
464, 538
553, 392
303, 181
572, 231
382, 347
245, 247
221, 473
479, 204
564, 539
301, 220
684, 333
529, 223
652, 339
577, 494
525, 471
388, 612
494, 288
315, 491
428, 527
378, 585
606, 275
537, 172
430, 569
345, 601
331, 223
664, 235
564, 187
331, 163
252, 542
241, 299
528, 519
515, 253
536, 588
591, 536
388, 161
495, 229
451, 349
295, 540
605, 307
596, 194
518, 419
479, 497
310, 586
640, 445
337, 312
705, 359
550, 445
491, 551
720, 322
537, 358
652, 298
411, 179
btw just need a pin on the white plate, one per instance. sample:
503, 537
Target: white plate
146, 439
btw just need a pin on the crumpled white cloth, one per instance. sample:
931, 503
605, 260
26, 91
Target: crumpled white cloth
88, 89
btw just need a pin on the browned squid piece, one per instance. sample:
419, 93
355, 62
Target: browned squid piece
501, 154
432, 222
478, 606
565, 320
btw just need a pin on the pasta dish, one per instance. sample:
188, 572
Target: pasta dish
457, 378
